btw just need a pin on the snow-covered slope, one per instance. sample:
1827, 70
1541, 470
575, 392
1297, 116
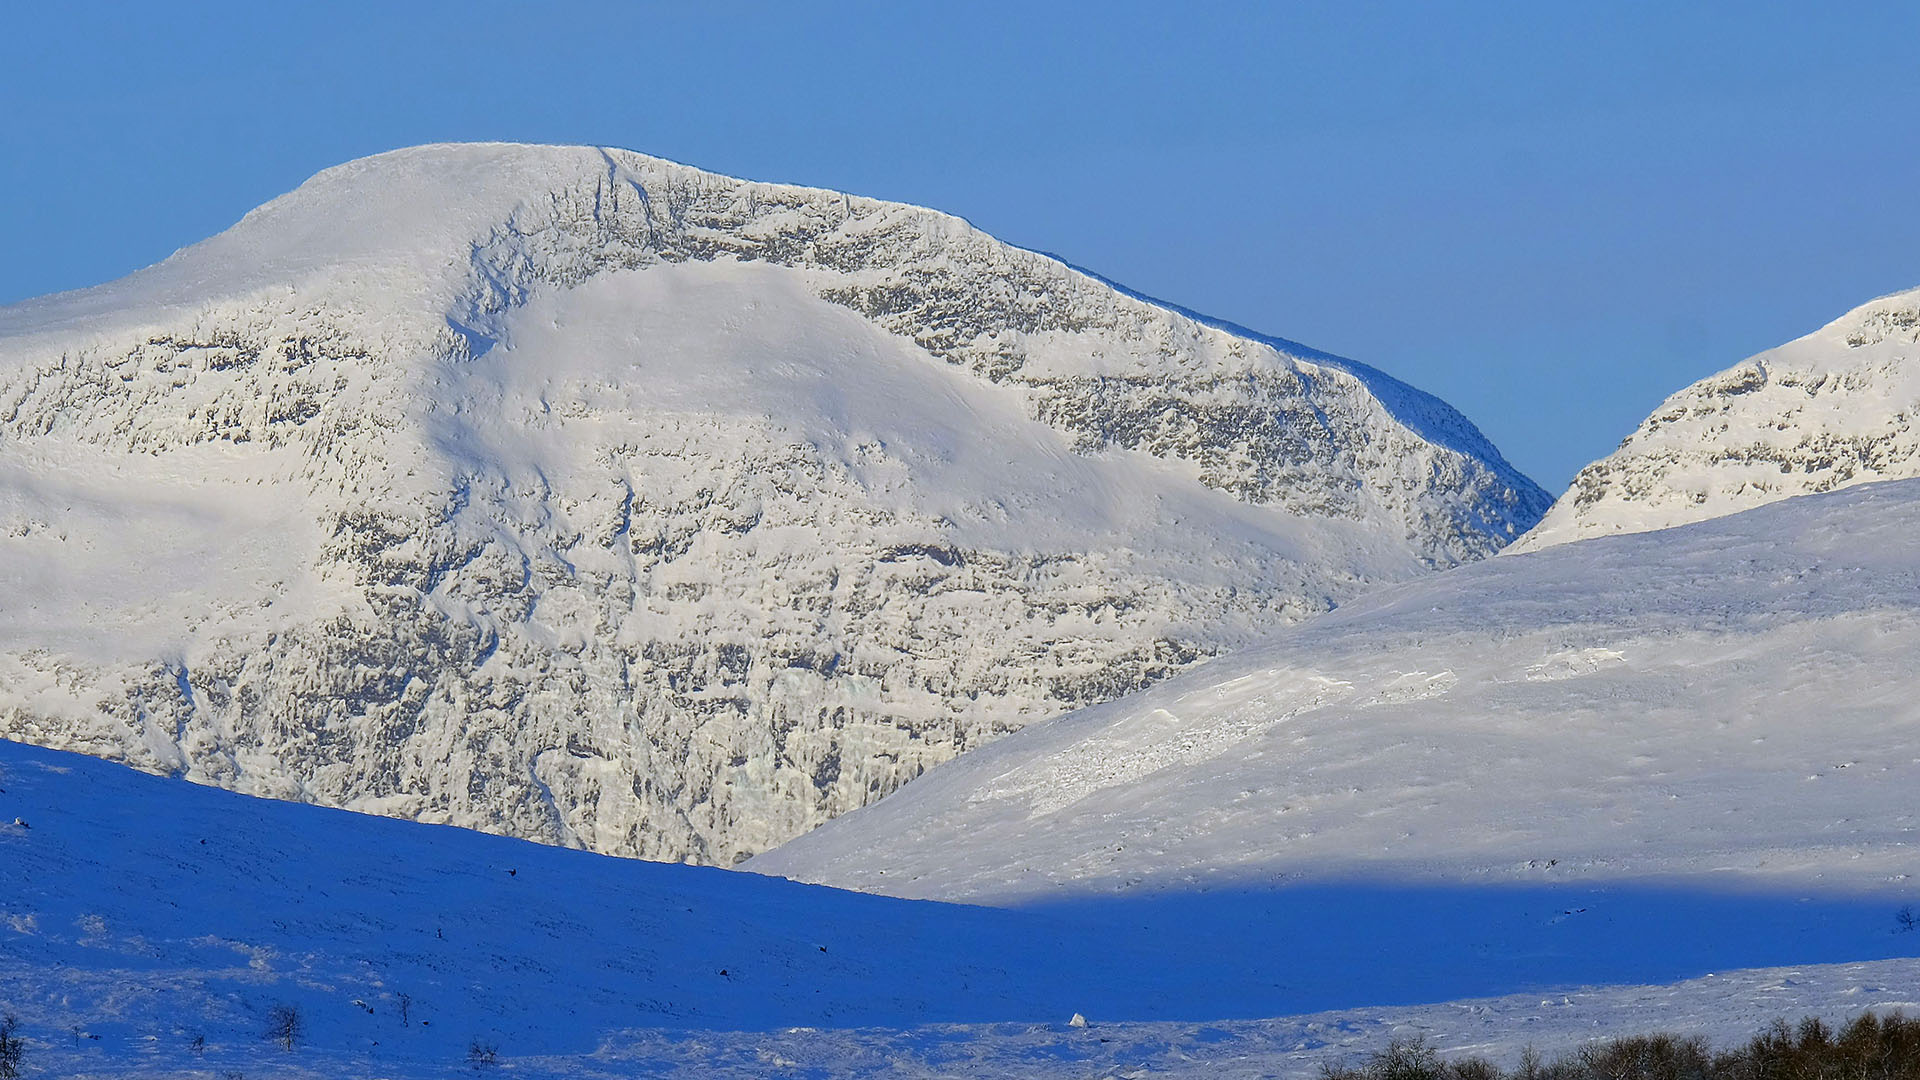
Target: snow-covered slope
150, 927
1836, 407
1729, 704
148, 909
585, 497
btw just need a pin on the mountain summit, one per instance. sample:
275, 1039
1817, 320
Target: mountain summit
1825, 411
582, 496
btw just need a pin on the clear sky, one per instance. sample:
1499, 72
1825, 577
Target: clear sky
1552, 215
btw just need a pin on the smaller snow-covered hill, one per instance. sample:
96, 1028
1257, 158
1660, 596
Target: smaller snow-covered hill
1733, 703
1833, 408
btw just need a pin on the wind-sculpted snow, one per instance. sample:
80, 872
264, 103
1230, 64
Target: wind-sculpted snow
1834, 408
589, 498
1733, 703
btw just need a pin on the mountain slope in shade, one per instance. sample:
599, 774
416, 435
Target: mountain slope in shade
589, 498
1834, 408
1732, 703
124, 889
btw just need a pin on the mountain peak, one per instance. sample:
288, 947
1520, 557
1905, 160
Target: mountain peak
588, 497
415, 210
1828, 410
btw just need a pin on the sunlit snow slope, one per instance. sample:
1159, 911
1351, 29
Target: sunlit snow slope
1834, 408
1724, 705
585, 497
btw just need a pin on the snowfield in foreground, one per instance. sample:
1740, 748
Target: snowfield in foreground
149, 927
1727, 704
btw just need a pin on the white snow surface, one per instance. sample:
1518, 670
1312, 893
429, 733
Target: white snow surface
148, 926
1732, 704
1834, 408
585, 497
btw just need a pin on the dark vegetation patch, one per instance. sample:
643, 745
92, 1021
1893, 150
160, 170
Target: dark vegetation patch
1868, 1047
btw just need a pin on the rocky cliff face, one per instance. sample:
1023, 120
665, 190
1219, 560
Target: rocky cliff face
589, 498
1828, 410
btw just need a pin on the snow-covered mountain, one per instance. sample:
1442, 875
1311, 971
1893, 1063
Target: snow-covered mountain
585, 497
1833, 408
1728, 705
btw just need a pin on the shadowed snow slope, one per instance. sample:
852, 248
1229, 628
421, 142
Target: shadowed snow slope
123, 888
148, 927
581, 496
1834, 408
1733, 702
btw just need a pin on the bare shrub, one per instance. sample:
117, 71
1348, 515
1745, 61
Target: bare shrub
1869, 1047
11, 1048
284, 1025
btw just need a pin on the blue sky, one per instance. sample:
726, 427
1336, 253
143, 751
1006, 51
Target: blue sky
1552, 215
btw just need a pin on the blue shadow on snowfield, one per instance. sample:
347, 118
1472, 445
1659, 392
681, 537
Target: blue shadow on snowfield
1249, 952
143, 903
